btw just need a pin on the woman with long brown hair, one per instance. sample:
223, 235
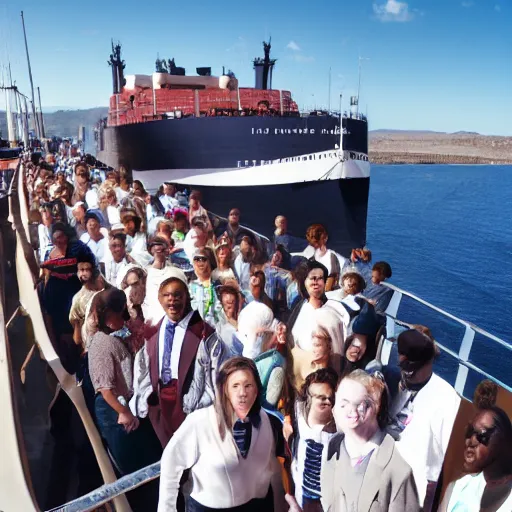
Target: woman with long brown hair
230, 449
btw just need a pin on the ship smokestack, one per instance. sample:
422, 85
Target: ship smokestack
263, 69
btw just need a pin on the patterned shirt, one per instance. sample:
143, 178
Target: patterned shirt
110, 365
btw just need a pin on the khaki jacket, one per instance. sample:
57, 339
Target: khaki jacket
388, 484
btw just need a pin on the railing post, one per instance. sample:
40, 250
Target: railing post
391, 313
464, 351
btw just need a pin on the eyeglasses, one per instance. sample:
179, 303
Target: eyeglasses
315, 278
202, 259
482, 436
322, 398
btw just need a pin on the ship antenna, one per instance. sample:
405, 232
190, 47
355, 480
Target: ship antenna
36, 122
341, 126
329, 96
359, 84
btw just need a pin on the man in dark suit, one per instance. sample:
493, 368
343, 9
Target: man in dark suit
184, 355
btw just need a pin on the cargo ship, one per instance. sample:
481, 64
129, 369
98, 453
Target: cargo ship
240, 146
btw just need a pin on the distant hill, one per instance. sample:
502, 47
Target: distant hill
64, 123
401, 132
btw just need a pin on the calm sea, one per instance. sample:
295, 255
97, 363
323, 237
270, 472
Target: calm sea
447, 232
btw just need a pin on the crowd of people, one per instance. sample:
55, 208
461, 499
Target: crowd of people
245, 367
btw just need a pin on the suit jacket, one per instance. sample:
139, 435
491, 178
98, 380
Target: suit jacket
388, 484
201, 355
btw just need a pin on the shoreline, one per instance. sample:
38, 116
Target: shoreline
405, 158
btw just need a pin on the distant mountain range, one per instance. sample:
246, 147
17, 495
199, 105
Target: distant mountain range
64, 123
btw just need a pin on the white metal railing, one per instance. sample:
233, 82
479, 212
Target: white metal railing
466, 342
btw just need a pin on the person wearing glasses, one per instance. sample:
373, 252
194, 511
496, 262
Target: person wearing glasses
488, 462
203, 290
313, 428
363, 471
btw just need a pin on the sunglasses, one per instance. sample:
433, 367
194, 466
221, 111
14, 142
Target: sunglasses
202, 259
482, 436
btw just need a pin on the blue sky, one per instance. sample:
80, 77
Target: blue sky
433, 64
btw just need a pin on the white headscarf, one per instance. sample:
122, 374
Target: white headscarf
252, 321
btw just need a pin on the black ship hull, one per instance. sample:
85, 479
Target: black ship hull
224, 142
340, 205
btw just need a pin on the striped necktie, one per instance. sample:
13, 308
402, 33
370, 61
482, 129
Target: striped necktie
170, 328
242, 432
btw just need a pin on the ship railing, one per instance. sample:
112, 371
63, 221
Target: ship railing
468, 354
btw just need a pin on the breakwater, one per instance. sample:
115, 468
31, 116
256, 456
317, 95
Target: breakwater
390, 157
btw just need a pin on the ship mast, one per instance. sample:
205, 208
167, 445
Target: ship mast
359, 82
36, 122
41, 113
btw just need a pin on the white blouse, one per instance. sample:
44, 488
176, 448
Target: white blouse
220, 476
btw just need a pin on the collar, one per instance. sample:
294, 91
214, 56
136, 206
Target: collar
183, 323
204, 284
253, 418
356, 451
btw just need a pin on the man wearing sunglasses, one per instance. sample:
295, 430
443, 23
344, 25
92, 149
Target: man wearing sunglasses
422, 412
203, 290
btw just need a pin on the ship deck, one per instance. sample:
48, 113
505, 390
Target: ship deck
28, 362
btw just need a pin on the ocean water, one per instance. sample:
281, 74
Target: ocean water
446, 230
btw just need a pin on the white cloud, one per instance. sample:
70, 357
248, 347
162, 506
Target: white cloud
497, 8
292, 45
467, 4
393, 10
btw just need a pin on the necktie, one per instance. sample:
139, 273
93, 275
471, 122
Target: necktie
242, 432
166, 360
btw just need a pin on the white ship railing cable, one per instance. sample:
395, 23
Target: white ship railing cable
116, 488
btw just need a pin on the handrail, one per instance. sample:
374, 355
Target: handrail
16, 487
466, 345
29, 300
107, 492
485, 333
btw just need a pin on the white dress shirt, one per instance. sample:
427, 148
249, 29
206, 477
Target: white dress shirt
179, 336
99, 248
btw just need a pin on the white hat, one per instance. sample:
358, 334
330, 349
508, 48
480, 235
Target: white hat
170, 271
124, 270
77, 204
117, 227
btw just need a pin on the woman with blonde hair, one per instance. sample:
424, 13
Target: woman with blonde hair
363, 470
230, 449
326, 347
